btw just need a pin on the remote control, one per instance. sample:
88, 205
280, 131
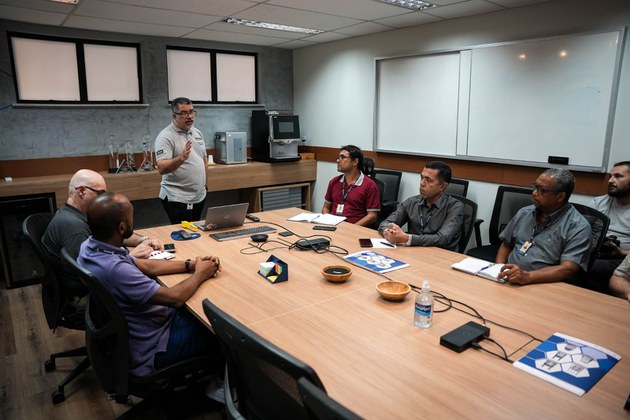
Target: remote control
330, 228
252, 217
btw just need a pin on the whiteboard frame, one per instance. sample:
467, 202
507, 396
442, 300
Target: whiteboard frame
462, 131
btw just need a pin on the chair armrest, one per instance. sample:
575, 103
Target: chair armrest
478, 223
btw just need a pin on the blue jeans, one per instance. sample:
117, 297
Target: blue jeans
188, 338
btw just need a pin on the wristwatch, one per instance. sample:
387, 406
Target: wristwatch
142, 239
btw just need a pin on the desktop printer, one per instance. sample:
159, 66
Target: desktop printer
231, 146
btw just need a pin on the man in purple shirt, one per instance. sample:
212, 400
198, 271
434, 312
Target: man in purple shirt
161, 332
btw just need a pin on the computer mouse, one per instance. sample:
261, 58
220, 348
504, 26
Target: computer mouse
259, 237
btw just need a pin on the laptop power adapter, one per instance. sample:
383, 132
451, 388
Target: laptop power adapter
462, 337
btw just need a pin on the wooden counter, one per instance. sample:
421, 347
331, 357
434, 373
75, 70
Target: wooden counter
142, 185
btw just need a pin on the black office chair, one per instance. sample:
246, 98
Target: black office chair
261, 379
368, 170
599, 227
457, 187
509, 200
107, 340
57, 309
320, 406
468, 225
389, 202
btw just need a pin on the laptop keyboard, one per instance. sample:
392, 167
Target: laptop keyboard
241, 233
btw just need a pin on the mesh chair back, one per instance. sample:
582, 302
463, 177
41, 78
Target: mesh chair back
391, 179
263, 375
106, 332
34, 227
368, 167
508, 202
468, 225
320, 406
457, 187
599, 227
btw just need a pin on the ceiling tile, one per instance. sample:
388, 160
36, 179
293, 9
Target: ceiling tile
408, 19
357, 9
472, 7
207, 7
32, 16
125, 27
46, 5
326, 37
234, 37
293, 17
363, 29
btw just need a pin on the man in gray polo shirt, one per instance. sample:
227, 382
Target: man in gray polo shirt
620, 281
180, 151
549, 241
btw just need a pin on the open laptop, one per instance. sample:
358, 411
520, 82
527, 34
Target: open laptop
221, 217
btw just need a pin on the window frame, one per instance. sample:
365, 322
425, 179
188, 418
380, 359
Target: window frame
213, 74
79, 45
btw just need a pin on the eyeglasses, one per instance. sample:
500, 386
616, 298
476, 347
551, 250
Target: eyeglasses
542, 190
342, 157
190, 113
95, 191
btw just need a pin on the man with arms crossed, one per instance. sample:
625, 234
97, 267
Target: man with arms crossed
433, 218
615, 205
161, 330
69, 228
549, 241
180, 151
352, 194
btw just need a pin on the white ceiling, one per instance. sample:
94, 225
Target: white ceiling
201, 19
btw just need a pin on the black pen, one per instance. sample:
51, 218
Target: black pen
388, 244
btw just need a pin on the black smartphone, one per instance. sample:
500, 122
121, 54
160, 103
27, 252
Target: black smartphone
285, 233
169, 248
365, 243
329, 228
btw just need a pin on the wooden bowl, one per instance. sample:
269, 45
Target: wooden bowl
336, 273
393, 290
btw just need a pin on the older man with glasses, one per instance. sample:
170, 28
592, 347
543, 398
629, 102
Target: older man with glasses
180, 151
549, 241
69, 228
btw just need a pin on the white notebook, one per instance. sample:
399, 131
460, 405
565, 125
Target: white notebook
319, 218
480, 268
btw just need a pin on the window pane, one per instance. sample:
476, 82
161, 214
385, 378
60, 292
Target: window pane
189, 75
236, 78
45, 70
111, 73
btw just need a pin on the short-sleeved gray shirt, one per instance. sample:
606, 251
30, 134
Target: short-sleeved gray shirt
619, 218
623, 270
187, 184
564, 236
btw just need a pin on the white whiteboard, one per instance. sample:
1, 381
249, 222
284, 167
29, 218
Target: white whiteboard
543, 98
515, 103
417, 103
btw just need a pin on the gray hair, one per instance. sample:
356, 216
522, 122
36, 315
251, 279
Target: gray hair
563, 180
175, 103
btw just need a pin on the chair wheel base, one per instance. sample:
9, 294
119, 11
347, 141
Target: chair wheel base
50, 365
58, 397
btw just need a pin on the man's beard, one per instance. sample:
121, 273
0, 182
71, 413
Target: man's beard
619, 192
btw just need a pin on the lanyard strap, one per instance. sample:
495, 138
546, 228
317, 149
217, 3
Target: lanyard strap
344, 194
423, 222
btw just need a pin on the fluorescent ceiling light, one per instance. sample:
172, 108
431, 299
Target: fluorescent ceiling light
410, 4
275, 26
66, 1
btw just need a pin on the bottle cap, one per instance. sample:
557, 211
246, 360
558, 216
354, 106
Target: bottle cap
425, 286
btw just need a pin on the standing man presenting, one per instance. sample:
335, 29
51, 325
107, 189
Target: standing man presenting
180, 151
352, 194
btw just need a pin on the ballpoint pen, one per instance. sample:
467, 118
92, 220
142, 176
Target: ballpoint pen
388, 244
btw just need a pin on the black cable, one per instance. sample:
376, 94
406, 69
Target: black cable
478, 346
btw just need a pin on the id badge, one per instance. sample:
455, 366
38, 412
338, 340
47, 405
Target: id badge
339, 208
523, 249
189, 206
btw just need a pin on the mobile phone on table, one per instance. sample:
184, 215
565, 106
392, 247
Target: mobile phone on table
169, 248
365, 243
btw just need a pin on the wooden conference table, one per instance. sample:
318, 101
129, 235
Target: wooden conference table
373, 360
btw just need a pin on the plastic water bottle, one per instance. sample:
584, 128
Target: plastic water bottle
423, 310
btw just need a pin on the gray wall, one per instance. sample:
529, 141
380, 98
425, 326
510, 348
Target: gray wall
44, 132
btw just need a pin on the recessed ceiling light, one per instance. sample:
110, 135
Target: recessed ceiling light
275, 26
66, 1
410, 4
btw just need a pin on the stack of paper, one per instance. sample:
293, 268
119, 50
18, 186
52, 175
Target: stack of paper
319, 218
480, 268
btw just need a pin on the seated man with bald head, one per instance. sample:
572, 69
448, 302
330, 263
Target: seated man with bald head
69, 228
549, 241
161, 331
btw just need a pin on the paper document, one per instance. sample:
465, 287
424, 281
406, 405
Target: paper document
480, 268
570, 363
319, 218
382, 243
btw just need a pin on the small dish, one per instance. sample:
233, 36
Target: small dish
393, 290
336, 273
